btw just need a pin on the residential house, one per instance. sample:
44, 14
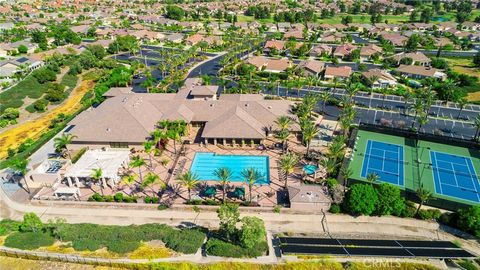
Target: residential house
395, 38
277, 45
311, 68
366, 52
332, 37
197, 38
321, 50
418, 58
470, 26
341, 73
270, 64
294, 33
146, 35
379, 78
175, 37
309, 198
344, 50
421, 72
204, 92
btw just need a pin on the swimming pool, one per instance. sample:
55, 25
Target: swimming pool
205, 164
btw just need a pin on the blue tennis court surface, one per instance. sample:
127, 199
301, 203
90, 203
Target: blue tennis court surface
455, 176
384, 160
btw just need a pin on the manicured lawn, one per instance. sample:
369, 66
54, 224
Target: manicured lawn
29, 240
363, 18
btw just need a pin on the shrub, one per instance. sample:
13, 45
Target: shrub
335, 209
217, 247
469, 220
96, 197
162, 207
108, 198
252, 232
40, 105
31, 223
79, 154
277, 209
119, 197
9, 225
390, 201
29, 240
467, 265
147, 200
361, 199
429, 214
409, 211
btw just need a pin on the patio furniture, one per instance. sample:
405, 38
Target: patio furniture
239, 192
210, 191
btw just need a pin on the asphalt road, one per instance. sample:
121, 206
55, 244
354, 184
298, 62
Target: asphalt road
392, 109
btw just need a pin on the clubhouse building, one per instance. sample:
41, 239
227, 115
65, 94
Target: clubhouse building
126, 119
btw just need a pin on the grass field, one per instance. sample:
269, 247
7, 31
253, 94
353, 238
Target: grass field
465, 66
13, 137
29, 87
416, 174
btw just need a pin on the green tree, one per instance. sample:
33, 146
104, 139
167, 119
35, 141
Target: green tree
224, 174
175, 12
476, 124
22, 49
60, 143
20, 165
309, 131
97, 175
423, 196
229, 216
390, 200
138, 162
287, 164
251, 177
252, 232
31, 223
469, 220
361, 199
189, 180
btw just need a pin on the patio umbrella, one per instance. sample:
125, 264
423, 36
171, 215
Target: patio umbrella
210, 191
239, 192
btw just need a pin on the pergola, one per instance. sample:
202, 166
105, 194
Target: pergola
109, 161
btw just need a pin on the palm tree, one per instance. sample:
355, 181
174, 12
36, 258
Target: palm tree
60, 143
309, 131
407, 98
151, 179
283, 135
149, 146
138, 162
384, 92
224, 174
287, 163
189, 180
346, 174
372, 178
97, 175
476, 124
251, 177
330, 165
422, 120
128, 180
283, 122
417, 108
325, 97
461, 104
423, 195
20, 166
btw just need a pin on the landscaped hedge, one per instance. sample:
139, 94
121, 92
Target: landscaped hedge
217, 247
29, 240
124, 239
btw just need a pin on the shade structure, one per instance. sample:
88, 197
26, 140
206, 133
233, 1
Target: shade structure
210, 191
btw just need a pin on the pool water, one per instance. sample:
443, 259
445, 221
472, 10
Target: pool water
310, 169
205, 164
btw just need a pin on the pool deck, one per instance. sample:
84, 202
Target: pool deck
264, 195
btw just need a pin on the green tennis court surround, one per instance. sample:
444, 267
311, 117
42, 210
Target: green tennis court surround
424, 163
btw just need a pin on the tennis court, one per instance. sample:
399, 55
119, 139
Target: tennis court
455, 176
385, 160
